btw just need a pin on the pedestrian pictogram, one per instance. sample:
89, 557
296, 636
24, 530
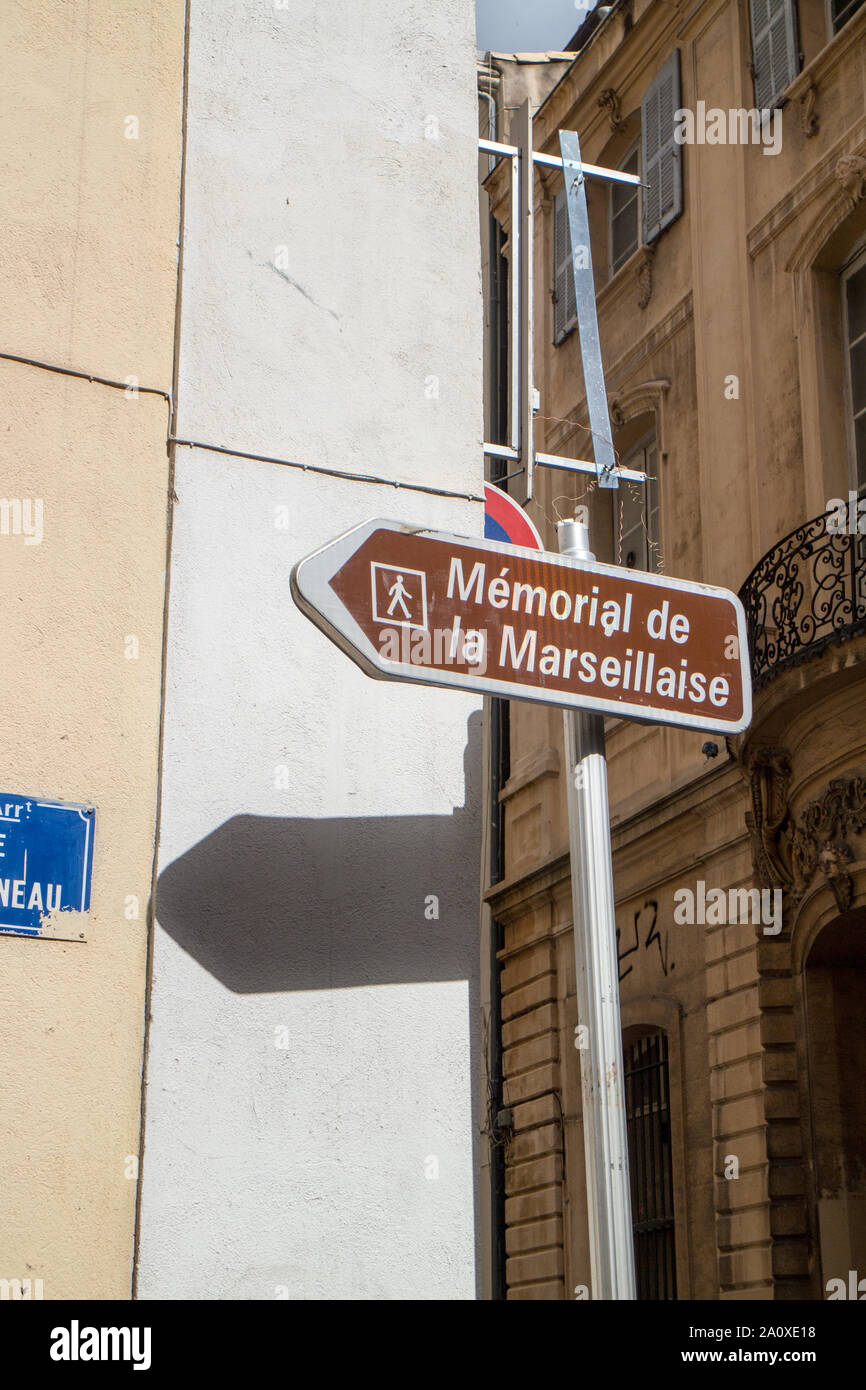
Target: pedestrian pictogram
399, 596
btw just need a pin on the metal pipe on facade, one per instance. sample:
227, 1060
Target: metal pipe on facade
493, 79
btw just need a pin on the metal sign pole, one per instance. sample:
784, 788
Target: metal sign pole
599, 1036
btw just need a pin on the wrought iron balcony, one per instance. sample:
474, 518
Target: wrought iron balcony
808, 591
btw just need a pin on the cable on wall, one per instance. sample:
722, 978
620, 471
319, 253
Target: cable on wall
240, 453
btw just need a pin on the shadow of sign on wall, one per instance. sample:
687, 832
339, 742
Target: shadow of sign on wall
279, 903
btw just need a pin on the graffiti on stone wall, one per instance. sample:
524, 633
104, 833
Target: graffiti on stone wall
643, 935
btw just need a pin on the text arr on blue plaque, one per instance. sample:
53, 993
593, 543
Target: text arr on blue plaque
46, 858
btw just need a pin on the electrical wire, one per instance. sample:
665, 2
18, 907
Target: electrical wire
238, 453
87, 376
337, 472
329, 472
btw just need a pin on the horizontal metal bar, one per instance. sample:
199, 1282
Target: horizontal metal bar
496, 147
629, 475
594, 171
501, 451
553, 161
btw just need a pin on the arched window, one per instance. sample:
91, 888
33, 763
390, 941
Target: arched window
636, 526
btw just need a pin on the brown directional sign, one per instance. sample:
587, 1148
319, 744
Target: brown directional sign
416, 605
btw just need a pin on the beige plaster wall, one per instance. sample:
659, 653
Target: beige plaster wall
88, 281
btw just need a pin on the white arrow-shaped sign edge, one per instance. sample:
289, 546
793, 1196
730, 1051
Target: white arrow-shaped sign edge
312, 592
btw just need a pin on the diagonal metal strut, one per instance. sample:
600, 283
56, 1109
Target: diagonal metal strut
587, 319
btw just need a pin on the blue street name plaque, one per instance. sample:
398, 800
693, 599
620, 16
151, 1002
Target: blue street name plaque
46, 858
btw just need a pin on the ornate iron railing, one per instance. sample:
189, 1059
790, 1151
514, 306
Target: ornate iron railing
808, 591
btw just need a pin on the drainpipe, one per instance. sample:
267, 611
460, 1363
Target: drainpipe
489, 81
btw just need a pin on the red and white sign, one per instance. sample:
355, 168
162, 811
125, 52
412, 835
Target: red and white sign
505, 520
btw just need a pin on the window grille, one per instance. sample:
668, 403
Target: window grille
647, 1099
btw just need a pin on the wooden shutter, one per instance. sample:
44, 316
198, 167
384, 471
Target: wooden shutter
662, 156
775, 49
564, 304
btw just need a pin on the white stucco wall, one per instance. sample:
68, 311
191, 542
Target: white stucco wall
312, 1074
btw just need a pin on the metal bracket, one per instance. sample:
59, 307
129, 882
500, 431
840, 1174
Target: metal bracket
587, 319
521, 447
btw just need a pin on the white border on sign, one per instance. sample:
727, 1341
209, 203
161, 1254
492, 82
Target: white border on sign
312, 592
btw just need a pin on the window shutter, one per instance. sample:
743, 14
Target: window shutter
564, 304
624, 205
661, 155
775, 49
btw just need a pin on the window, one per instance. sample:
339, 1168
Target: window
661, 156
854, 328
647, 1105
841, 11
624, 214
564, 304
636, 528
775, 50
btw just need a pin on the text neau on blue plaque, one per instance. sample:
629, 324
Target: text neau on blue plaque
46, 858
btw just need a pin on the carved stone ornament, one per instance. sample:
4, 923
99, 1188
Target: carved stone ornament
820, 839
811, 120
834, 855
788, 854
645, 276
850, 170
769, 773
610, 100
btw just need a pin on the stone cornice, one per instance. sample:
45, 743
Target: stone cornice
535, 885
702, 795
829, 57
542, 762
819, 184
818, 675
573, 103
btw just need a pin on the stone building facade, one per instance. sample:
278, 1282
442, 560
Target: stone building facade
251, 1072
731, 297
